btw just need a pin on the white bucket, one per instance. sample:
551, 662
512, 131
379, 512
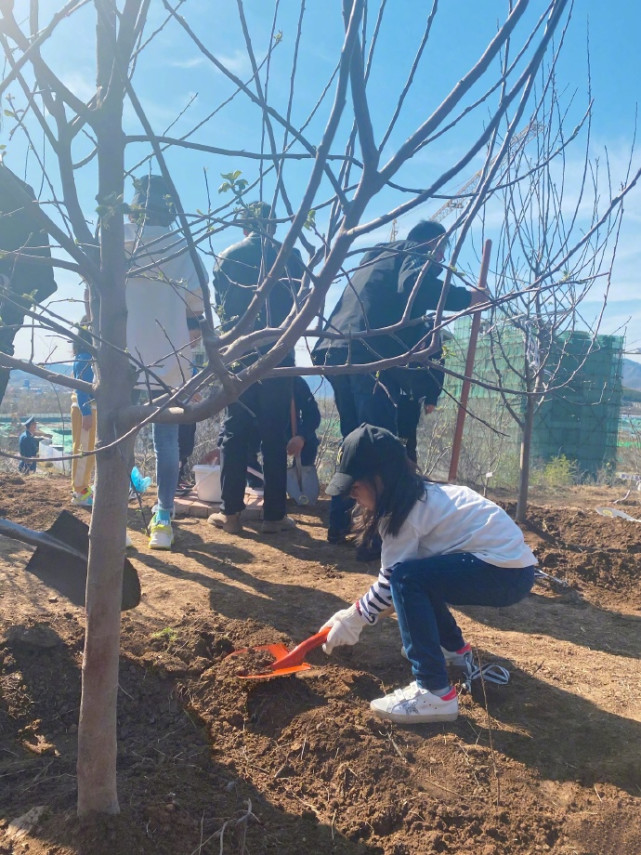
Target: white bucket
60, 465
207, 482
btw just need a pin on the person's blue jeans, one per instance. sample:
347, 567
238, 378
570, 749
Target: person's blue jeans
363, 398
165, 439
360, 398
421, 590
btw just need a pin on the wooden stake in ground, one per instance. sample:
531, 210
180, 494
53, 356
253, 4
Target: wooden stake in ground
469, 367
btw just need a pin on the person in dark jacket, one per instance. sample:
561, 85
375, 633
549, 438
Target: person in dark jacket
265, 405
24, 281
28, 443
375, 297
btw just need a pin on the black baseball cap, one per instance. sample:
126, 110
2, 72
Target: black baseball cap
364, 453
29, 421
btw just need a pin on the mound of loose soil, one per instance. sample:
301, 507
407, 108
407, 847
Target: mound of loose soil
211, 763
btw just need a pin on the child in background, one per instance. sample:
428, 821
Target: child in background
28, 444
442, 544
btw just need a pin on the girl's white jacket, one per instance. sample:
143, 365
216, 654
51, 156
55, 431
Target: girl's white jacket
449, 519
159, 298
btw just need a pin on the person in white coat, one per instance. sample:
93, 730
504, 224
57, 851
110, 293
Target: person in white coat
441, 544
163, 291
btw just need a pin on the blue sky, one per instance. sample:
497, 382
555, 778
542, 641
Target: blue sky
171, 76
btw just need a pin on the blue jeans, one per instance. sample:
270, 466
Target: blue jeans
165, 438
421, 589
360, 398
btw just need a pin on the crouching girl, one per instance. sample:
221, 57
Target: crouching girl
442, 544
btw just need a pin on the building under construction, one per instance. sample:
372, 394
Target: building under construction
577, 417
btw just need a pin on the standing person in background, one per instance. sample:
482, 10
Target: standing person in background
28, 443
442, 545
302, 440
265, 406
160, 298
376, 297
23, 282
83, 422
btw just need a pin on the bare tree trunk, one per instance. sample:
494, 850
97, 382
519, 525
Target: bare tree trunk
97, 737
524, 463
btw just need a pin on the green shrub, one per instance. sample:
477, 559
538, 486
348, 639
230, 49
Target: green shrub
557, 472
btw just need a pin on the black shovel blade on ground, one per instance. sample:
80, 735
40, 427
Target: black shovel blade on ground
60, 559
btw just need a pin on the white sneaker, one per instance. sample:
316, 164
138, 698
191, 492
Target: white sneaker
162, 536
128, 541
414, 705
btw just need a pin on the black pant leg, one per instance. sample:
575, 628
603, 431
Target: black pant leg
274, 402
345, 403
237, 432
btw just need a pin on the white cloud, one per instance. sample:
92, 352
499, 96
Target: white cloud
81, 83
237, 62
191, 62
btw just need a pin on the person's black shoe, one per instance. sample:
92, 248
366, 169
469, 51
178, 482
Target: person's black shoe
336, 535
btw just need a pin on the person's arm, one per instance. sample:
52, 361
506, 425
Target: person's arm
24, 445
194, 296
394, 550
346, 624
309, 416
295, 445
427, 383
83, 370
458, 297
295, 270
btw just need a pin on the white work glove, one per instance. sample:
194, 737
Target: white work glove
346, 626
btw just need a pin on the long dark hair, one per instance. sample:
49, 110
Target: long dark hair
83, 342
396, 495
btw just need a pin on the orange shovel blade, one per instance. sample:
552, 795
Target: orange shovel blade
299, 653
285, 661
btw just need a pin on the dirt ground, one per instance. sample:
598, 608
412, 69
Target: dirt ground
211, 763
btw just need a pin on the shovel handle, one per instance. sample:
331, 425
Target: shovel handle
298, 654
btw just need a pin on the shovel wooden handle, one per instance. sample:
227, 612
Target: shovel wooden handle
298, 654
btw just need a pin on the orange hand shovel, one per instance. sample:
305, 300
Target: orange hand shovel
285, 661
